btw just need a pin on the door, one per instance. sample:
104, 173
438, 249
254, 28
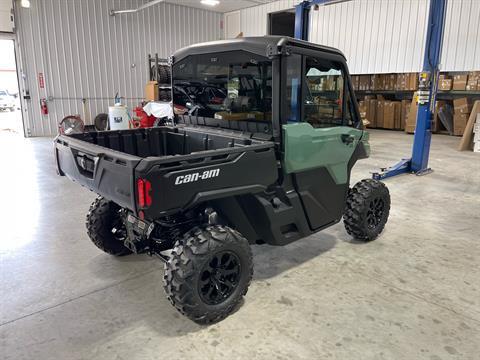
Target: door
320, 136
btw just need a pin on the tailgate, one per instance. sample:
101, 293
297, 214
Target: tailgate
107, 172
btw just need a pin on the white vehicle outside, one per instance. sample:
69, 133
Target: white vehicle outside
7, 101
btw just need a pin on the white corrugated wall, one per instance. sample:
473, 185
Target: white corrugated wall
461, 42
381, 36
376, 36
85, 53
253, 20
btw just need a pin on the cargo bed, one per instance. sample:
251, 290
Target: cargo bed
173, 159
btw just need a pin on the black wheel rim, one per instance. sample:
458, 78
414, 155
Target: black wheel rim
376, 208
219, 277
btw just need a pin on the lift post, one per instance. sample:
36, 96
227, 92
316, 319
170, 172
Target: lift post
428, 81
302, 12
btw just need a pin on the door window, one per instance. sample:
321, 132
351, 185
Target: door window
323, 93
315, 93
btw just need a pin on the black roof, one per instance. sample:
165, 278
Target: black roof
256, 44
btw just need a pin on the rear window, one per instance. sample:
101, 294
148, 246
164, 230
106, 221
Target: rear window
227, 86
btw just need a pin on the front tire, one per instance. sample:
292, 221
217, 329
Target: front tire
208, 273
105, 227
367, 209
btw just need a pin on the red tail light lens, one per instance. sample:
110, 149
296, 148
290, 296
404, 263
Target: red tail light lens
148, 197
144, 188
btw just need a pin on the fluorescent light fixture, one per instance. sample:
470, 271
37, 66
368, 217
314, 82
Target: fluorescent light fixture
210, 2
25, 3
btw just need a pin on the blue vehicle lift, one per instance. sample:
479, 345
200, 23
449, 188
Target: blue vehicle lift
418, 163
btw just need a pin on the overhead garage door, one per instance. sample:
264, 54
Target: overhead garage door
6, 17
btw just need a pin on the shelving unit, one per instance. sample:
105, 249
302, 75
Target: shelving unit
154, 68
451, 94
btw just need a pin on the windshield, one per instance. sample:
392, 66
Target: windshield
235, 85
2, 93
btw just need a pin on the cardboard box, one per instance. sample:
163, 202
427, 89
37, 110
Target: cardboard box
460, 82
405, 111
362, 108
372, 112
401, 82
472, 85
355, 82
412, 117
151, 91
474, 75
476, 126
476, 147
364, 82
445, 84
252, 115
462, 106
398, 115
379, 113
459, 123
436, 120
377, 82
389, 115
412, 82
390, 82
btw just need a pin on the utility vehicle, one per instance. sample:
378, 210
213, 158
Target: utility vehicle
266, 159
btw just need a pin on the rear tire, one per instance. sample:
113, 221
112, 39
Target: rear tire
208, 273
367, 209
102, 218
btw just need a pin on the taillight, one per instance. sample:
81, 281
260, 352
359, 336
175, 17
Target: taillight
148, 197
144, 188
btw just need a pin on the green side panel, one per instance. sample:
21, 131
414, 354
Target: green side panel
307, 148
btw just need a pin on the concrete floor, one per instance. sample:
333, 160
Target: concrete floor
412, 294
11, 121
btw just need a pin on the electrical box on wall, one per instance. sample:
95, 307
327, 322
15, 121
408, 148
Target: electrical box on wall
6, 16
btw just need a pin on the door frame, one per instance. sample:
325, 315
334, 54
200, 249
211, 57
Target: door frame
20, 84
347, 88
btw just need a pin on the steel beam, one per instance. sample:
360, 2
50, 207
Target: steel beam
302, 15
433, 52
302, 11
418, 163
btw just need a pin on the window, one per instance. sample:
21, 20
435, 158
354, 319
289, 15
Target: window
228, 86
318, 98
294, 79
323, 93
349, 111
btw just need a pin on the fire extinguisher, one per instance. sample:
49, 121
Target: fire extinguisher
43, 106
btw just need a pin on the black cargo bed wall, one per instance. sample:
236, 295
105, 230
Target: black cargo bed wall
160, 141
